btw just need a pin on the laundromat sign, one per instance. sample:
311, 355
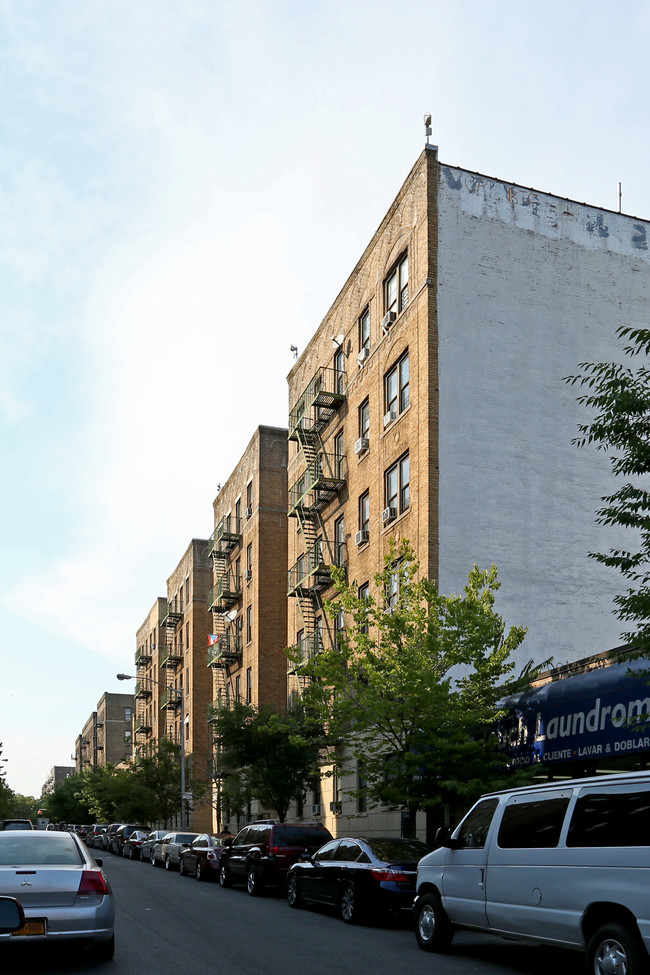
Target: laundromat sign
602, 713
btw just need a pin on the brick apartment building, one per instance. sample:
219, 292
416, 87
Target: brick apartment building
430, 404
107, 734
247, 601
174, 687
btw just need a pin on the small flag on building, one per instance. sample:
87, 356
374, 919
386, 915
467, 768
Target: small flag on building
213, 638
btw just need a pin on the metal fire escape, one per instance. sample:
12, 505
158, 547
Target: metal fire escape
224, 595
171, 659
321, 479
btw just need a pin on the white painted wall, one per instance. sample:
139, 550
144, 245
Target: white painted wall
529, 286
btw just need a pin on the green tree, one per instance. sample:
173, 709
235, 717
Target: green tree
619, 398
267, 754
64, 805
411, 688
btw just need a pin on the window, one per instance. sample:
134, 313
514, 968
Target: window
397, 492
396, 387
237, 514
338, 454
238, 688
364, 331
339, 627
239, 624
339, 371
237, 579
187, 590
128, 714
249, 685
249, 624
187, 635
249, 557
396, 287
474, 828
128, 737
362, 786
364, 596
364, 511
339, 541
532, 825
609, 818
249, 494
364, 419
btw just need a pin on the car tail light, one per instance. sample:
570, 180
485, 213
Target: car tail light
396, 876
92, 882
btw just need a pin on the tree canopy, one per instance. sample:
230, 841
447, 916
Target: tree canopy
410, 689
266, 754
618, 396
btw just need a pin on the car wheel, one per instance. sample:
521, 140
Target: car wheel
199, 872
103, 950
433, 929
615, 949
293, 894
153, 861
181, 867
254, 885
224, 876
168, 865
348, 904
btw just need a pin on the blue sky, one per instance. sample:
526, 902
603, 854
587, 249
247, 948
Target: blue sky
184, 187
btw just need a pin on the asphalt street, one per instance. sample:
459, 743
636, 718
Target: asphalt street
172, 925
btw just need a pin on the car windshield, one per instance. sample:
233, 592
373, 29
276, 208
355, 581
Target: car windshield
394, 850
40, 848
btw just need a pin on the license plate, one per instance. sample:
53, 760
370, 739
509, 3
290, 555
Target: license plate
35, 926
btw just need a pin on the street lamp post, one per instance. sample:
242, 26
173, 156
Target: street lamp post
179, 691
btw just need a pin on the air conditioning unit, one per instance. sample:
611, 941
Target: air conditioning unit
315, 810
390, 417
387, 321
362, 537
388, 515
248, 512
336, 807
362, 444
363, 355
248, 575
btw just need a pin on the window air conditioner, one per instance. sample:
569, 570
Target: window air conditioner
248, 575
336, 807
362, 444
390, 417
387, 321
363, 355
362, 537
315, 810
248, 512
388, 515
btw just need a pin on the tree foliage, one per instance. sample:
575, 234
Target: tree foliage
266, 754
619, 398
411, 688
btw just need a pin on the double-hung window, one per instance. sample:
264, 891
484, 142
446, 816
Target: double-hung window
364, 332
397, 490
339, 371
364, 511
397, 393
339, 541
396, 286
364, 419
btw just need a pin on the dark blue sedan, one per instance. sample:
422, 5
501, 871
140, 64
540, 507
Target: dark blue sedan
359, 877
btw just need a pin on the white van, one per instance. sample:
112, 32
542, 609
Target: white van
563, 863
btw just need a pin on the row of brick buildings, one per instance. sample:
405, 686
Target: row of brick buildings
430, 404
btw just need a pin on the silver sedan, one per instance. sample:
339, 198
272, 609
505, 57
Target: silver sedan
62, 890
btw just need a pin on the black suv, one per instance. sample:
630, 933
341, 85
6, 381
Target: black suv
261, 853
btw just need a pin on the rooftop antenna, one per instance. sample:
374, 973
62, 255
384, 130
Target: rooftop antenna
620, 197
427, 125
294, 349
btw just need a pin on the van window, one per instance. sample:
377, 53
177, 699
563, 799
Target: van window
611, 819
474, 828
533, 825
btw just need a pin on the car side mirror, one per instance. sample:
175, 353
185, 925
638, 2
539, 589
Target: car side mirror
227, 841
443, 837
99, 861
12, 916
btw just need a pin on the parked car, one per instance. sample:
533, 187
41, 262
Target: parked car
62, 889
563, 863
16, 824
132, 846
167, 851
359, 876
260, 854
155, 836
202, 857
107, 838
121, 834
92, 837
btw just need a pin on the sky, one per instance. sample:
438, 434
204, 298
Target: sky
185, 186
